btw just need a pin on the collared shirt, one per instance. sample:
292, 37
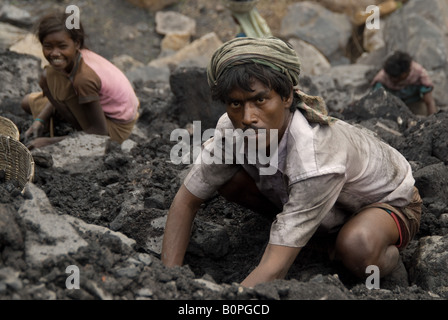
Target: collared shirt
325, 174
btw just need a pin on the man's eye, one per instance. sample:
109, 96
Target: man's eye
234, 105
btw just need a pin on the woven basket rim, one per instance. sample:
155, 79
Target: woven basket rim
9, 128
14, 154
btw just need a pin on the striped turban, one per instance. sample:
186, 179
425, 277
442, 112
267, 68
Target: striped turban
272, 52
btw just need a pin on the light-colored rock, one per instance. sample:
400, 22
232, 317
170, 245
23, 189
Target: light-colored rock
54, 235
329, 32
342, 85
313, 61
18, 75
373, 39
15, 15
431, 265
348, 7
125, 62
50, 234
78, 153
210, 285
84, 227
10, 35
30, 45
198, 52
173, 22
175, 41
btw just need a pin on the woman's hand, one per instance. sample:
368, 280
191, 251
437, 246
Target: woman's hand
35, 131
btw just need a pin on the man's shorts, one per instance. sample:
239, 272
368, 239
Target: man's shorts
407, 218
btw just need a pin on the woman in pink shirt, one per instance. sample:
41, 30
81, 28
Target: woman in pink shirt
79, 87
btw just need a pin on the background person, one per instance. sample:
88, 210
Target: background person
247, 17
79, 87
409, 81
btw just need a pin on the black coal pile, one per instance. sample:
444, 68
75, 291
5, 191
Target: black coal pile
90, 225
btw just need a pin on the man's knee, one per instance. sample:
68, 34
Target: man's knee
25, 104
357, 249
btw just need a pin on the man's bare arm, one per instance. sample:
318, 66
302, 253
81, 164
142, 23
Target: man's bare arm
178, 227
430, 103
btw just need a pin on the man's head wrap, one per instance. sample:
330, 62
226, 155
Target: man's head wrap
271, 52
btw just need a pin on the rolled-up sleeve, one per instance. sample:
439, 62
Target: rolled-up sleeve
310, 201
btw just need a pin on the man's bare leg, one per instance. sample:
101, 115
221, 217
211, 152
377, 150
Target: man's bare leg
369, 238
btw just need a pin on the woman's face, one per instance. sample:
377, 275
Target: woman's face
60, 51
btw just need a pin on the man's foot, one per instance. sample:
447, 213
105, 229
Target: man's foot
398, 277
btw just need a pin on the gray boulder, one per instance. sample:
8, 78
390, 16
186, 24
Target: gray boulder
193, 100
19, 75
431, 265
329, 32
342, 85
432, 182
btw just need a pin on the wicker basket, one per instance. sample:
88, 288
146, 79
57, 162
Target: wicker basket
240, 6
9, 129
16, 160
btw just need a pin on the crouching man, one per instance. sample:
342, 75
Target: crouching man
329, 175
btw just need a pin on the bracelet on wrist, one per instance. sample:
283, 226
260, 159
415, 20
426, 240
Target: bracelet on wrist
40, 120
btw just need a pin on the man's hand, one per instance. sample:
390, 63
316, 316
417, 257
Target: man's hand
274, 265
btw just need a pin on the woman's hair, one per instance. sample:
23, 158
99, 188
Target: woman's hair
56, 22
397, 64
241, 76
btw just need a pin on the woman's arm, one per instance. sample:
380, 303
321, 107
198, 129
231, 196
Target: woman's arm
37, 128
93, 120
62, 109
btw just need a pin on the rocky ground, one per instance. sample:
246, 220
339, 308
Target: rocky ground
101, 207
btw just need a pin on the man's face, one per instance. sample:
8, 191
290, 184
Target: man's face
261, 109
